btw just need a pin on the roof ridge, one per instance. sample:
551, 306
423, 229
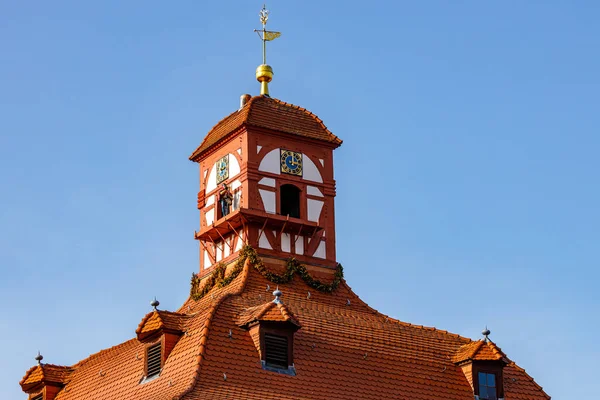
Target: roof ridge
408, 324
97, 354
310, 113
221, 122
206, 328
522, 370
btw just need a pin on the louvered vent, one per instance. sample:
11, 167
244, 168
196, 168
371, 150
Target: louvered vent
276, 349
153, 360
38, 397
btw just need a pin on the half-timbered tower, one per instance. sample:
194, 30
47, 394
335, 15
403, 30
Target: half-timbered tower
276, 160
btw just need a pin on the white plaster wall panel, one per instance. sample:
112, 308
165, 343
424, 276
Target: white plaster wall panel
310, 171
300, 245
234, 166
258, 148
263, 242
320, 252
235, 204
286, 241
270, 162
226, 247
267, 182
210, 200
236, 184
207, 261
314, 209
239, 151
240, 242
268, 199
322, 162
211, 184
210, 217
219, 251
313, 191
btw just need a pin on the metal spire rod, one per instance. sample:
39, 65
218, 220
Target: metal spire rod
264, 73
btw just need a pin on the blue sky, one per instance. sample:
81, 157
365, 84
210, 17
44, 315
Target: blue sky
467, 183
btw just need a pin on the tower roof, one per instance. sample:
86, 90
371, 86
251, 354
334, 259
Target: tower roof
272, 114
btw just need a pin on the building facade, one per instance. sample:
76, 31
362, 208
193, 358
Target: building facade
270, 315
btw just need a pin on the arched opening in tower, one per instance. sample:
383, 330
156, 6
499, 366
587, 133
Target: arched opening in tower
290, 200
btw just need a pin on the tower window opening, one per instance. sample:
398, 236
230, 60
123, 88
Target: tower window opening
290, 200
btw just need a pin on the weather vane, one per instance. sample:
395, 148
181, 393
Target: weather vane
264, 34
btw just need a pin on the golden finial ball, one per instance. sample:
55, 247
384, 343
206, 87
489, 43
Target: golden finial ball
264, 73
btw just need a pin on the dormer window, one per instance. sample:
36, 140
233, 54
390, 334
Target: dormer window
272, 327
159, 331
487, 386
482, 363
290, 200
153, 360
38, 397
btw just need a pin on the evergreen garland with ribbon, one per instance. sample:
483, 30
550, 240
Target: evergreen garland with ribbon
218, 278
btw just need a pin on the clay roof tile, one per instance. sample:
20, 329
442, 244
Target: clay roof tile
44, 374
267, 312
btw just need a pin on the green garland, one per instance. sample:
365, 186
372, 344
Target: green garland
218, 278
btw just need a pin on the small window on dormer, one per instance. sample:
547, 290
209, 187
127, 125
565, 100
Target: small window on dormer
290, 200
487, 386
153, 360
276, 351
38, 397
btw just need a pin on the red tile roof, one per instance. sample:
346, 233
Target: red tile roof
273, 114
342, 351
269, 311
479, 351
159, 319
45, 373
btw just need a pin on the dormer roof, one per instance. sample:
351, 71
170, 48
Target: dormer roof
479, 350
45, 374
159, 320
272, 114
268, 312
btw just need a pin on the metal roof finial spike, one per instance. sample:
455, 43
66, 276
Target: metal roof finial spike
39, 358
224, 376
155, 303
308, 297
486, 332
277, 293
268, 287
348, 302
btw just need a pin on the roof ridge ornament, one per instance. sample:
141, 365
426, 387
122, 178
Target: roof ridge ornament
486, 332
39, 358
277, 293
155, 303
264, 72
